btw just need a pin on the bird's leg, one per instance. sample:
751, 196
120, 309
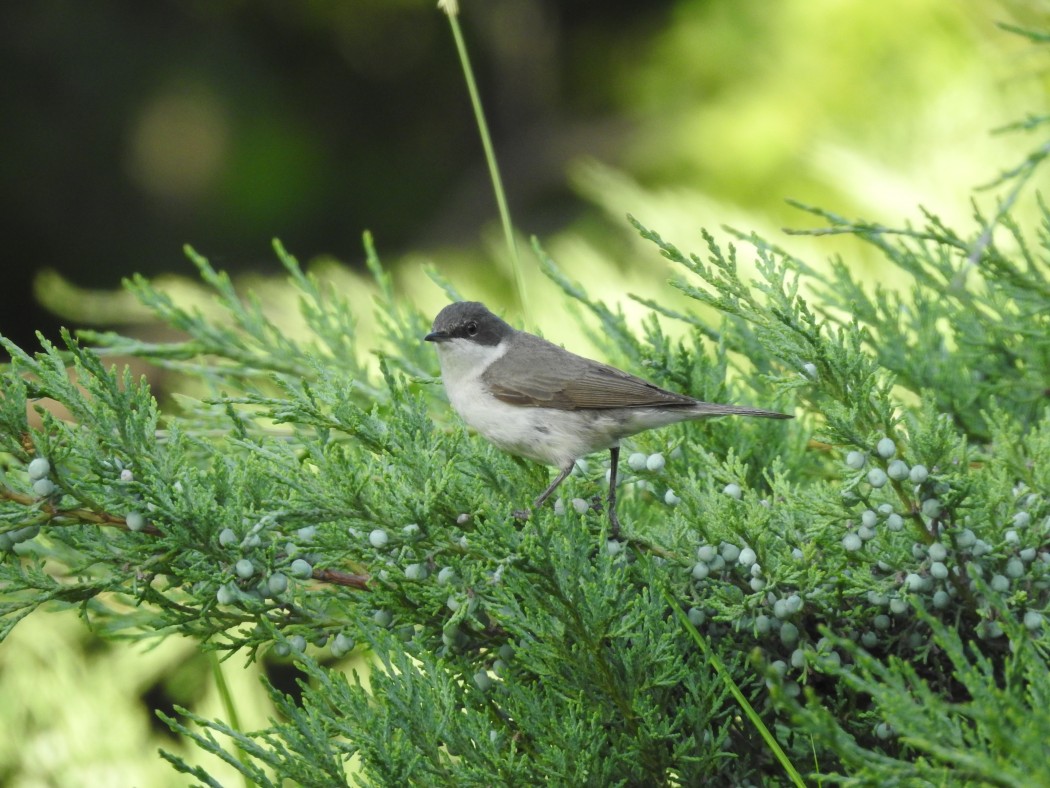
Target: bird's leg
524, 515
554, 485
614, 521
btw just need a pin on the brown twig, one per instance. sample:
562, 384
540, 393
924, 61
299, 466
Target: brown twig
82, 515
78, 514
338, 578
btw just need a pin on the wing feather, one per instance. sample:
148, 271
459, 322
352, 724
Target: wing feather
556, 378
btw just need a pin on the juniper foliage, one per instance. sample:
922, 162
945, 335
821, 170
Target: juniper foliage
874, 575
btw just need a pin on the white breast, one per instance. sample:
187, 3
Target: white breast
553, 437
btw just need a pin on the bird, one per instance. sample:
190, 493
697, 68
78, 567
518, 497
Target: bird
534, 399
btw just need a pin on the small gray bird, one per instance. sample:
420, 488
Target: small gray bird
532, 398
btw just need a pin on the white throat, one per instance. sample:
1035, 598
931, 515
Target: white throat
463, 362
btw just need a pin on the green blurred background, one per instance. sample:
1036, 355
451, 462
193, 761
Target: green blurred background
130, 128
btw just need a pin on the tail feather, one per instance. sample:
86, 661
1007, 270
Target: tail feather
704, 409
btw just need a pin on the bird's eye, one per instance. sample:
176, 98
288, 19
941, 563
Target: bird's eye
472, 328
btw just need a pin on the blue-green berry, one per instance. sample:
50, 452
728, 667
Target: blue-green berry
1000, 583
342, 644
378, 538
655, 462
307, 533
1014, 568
747, 557
886, 448
700, 570
135, 521
227, 537
931, 507
877, 478
697, 617
895, 522
297, 642
881, 621
244, 569
580, 505
918, 474
897, 470
757, 584
416, 571
282, 649
277, 583
898, 606
637, 461
671, 499
482, 680
989, 630
383, 618
301, 568
856, 460
1033, 620
225, 595
852, 542
941, 599
884, 731
706, 553
868, 518
732, 490
832, 659
913, 582
938, 570
39, 468
937, 551
966, 538
869, 639
445, 575
730, 552
788, 634
43, 487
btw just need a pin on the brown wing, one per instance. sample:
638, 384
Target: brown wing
556, 378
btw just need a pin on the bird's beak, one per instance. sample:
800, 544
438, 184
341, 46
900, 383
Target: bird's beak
437, 336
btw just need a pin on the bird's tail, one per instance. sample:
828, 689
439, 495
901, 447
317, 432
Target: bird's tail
705, 409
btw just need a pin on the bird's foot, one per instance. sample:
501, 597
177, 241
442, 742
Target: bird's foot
521, 514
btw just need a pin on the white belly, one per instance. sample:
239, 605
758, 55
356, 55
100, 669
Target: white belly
546, 435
